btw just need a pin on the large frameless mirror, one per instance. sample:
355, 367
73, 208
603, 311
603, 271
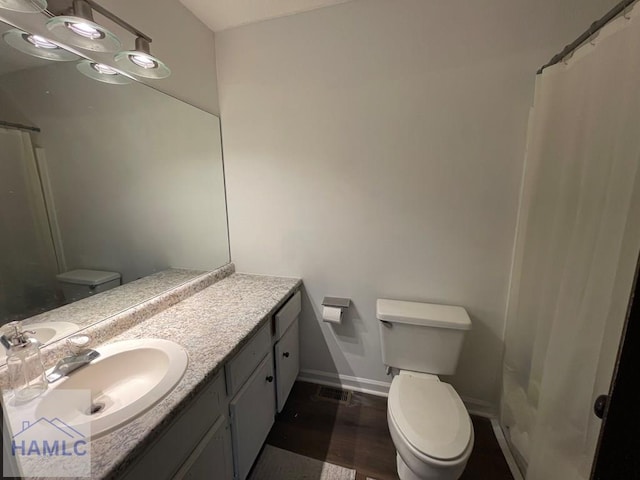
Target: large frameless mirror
109, 177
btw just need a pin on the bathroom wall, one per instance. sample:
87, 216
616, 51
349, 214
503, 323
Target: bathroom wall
10, 111
184, 43
375, 149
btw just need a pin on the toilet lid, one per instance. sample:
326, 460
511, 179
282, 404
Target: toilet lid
430, 415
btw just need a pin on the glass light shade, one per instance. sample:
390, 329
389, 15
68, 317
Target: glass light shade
37, 46
24, 6
142, 64
83, 33
102, 73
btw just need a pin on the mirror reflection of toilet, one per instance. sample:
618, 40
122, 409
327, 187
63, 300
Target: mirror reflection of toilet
429, 425
79, 284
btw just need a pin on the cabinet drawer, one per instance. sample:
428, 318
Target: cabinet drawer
287, 354
287, 314
252, 415
163, 458
247, 359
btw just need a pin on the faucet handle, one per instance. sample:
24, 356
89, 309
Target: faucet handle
78, 343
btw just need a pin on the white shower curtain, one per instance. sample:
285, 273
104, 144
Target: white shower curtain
576, 251
27, 258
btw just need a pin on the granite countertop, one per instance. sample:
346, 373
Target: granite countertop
212, 325
110, 302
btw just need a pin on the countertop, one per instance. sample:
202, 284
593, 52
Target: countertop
98, 307
212, 325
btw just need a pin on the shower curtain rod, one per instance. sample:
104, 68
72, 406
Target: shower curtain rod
18, 126
594, 28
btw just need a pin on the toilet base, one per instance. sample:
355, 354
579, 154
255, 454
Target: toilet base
404, 472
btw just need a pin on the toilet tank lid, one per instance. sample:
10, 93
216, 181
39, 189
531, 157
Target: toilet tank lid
423, 314
87, 277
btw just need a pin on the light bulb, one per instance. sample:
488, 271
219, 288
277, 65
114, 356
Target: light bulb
85, 30
40, 42
103, 69
37, 46
143, 61
102, 72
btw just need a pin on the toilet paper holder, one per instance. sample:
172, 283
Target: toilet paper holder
333, 309
336, 302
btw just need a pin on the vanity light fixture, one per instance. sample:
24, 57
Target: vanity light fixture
37, 46
24, 6
81, 31
140, 62
102, 73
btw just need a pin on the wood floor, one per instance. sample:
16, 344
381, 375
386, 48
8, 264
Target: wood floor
355, 435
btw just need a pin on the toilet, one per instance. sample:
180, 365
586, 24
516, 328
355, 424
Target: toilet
429, 425
82, 283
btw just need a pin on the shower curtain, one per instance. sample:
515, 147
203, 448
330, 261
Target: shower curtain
576, 251
27, 258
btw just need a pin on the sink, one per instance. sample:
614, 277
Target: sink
46, 332
126, 380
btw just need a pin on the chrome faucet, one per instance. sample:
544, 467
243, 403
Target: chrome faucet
79, 357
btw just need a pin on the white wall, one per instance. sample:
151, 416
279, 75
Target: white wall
375, 149
11, 112
184, 43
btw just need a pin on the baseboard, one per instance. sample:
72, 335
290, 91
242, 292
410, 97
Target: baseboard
381, 389
356, 384
480, 408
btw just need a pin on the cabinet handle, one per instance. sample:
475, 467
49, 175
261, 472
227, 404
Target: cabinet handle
285, 354
270, 378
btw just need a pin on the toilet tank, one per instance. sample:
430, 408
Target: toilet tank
421, 337
79, 284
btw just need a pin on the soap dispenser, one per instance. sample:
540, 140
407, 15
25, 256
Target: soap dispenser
24, 363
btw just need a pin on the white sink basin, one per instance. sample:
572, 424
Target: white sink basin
126, 380
46, 332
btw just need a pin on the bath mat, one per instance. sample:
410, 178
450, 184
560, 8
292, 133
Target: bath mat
277, 464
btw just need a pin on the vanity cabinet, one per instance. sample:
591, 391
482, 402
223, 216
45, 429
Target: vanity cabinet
252, 415
212, 457
240, 367
286, 349
199, 422
220, 434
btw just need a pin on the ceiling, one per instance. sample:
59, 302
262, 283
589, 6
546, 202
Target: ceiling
221, 15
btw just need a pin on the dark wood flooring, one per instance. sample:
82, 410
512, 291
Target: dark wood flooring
355, 435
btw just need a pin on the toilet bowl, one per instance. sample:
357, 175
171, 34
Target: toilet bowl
429, 426
428, 422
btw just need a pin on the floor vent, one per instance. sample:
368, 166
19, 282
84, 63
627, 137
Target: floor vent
333, 394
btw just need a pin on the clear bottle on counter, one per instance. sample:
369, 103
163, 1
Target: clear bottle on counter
25, 369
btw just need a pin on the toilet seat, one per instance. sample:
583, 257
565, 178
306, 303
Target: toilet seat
430, 416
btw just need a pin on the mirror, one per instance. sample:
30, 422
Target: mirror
121, 179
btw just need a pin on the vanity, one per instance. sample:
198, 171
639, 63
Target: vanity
113, 200
240, 334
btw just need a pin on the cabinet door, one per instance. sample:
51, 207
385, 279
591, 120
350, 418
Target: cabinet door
212, 457
287, 364
252, 415
163, 459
